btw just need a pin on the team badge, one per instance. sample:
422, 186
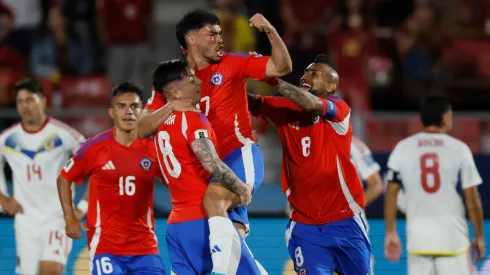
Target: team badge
200, 134
48, 145
217, 79
302, 271
145, 163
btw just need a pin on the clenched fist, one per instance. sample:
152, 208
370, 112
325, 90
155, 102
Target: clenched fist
259, 22
72, 228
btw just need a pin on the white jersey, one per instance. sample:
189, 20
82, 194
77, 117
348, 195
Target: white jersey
429, 166
363, 159
36, 160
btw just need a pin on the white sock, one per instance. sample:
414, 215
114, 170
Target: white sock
223, 240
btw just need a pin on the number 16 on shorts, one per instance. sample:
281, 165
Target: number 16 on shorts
102, 265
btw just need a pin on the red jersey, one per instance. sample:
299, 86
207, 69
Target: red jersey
186, 178
224, 98
318, 177
120, 214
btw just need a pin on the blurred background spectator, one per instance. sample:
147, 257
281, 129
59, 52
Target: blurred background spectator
389, 54
126, 29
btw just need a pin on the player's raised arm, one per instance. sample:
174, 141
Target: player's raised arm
280, 62
300, 96
156, 112
206, 153
470, 180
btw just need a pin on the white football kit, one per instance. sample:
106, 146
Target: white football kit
363, 160
36, 160
429, 167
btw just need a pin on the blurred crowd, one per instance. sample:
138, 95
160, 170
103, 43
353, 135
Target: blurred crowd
389, 53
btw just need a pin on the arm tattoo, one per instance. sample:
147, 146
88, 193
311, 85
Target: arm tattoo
206, 153
299, 96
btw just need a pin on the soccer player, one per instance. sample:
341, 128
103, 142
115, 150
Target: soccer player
428, 166
121, 169
36, 149
188, 159
327, 232
224, 103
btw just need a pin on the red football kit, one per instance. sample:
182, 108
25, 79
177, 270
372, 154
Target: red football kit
186, 178
224, 98
318, 177
120, 214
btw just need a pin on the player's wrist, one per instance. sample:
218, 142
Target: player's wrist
83, 206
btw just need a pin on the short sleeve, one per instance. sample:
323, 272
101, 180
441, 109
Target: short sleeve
156, 101
250, 66
78, 167
469, 173
196, 126
363, 159
335, 109
276, 109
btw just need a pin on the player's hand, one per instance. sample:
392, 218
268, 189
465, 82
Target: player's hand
246, 195
254, 54
183, 105
79, 214
478, 249
393, 247
73, 227
11, 206
259, 22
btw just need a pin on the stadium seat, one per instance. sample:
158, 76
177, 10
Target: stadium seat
91, 92
48, 90
414, 125
469, 131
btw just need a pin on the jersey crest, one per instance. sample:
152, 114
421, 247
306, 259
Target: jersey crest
217, 79
14, 144
146, 164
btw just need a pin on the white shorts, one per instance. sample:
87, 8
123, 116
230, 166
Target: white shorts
40, 242
440, 265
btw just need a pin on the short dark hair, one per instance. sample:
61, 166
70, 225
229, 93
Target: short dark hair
30, 84
126, 88
325, 59
433, 109
169, 71
194, 20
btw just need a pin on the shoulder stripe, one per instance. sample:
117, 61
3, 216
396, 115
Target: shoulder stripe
9, 128
334, 98
203, 118
91, 142
73, 132
244, 55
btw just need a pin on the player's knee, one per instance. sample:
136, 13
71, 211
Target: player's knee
51, 268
